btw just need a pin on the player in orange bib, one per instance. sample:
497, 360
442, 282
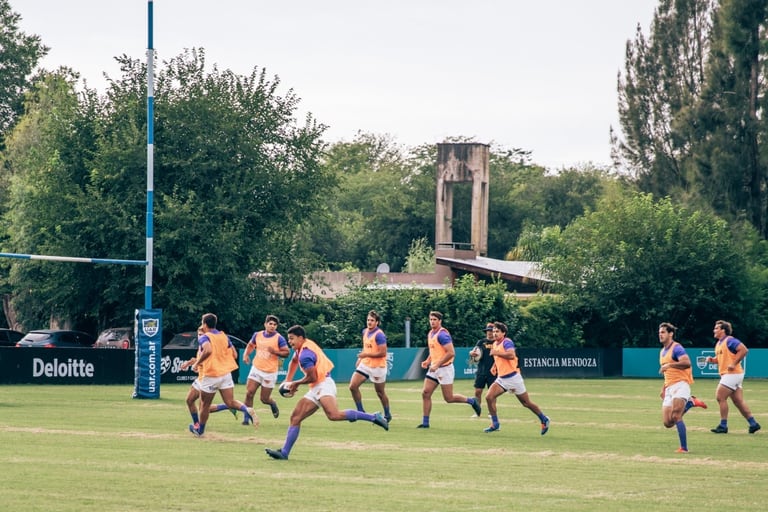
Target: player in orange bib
729, 355
508, 379
371, 364
310, 358
440, 370
268, 346
675, 366
214, 364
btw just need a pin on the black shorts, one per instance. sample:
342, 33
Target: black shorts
484, 380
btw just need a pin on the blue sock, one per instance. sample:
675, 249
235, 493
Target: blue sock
290, 439
359, 406
387, 414
542, 417
751, 421
195, 418
201, 429
471, 401
682, 434
688, 405
221, 407
724, 423
425, 420
353, 415
495, 421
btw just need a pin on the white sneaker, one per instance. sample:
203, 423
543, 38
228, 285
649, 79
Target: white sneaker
474, 416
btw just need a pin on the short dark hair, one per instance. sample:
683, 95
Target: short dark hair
209, 319
297, 330
668, 327
500, 326
373, 314
436, 314
726, 326
272, 318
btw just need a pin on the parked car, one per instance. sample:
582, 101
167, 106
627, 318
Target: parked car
56, 338
115, 337
9, 337
188, 339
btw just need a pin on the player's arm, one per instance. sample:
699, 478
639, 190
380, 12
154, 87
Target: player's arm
281, 350
249, 348
293, 365
683, 362
379, 349
741, 353
203, 353
310, 376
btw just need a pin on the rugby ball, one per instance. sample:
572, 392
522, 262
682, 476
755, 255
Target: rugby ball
475, 355
284, 390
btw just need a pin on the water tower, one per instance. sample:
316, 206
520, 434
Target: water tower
462, 163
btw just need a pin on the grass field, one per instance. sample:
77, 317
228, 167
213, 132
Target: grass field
83, 448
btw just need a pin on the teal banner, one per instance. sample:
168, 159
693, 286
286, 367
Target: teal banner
148, 330
644, 362
405, 363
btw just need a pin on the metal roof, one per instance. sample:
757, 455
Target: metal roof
517, 271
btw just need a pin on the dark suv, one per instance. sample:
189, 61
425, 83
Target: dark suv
55, 338
9, 337
188, 339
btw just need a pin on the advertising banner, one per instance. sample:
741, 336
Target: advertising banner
148, 330
65, 366
644, 362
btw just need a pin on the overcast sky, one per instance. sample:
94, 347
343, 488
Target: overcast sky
537, 75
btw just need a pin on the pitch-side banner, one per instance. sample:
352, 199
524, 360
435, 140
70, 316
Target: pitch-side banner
148, 328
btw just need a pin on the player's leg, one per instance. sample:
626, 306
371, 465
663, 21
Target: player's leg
266, 398
721, 395
355, 382
430, 383
490, 399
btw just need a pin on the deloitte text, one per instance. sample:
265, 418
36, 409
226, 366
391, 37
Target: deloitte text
70, 368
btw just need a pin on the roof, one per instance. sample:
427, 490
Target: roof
517, 271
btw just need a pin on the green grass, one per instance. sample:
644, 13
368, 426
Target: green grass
82, 448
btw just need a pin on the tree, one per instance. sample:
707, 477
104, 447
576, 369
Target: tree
730, 128
232, 166
421, 257
662, 81
384, 201
46, 154
635, 262
19, 54
691, 107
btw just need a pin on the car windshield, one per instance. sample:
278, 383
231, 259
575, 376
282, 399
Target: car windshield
184, 339
112, 335
38, 336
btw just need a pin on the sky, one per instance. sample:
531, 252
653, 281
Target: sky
540, 75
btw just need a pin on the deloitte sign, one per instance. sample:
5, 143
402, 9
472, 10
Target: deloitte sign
75, 368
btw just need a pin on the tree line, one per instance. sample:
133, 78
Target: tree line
249, 200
